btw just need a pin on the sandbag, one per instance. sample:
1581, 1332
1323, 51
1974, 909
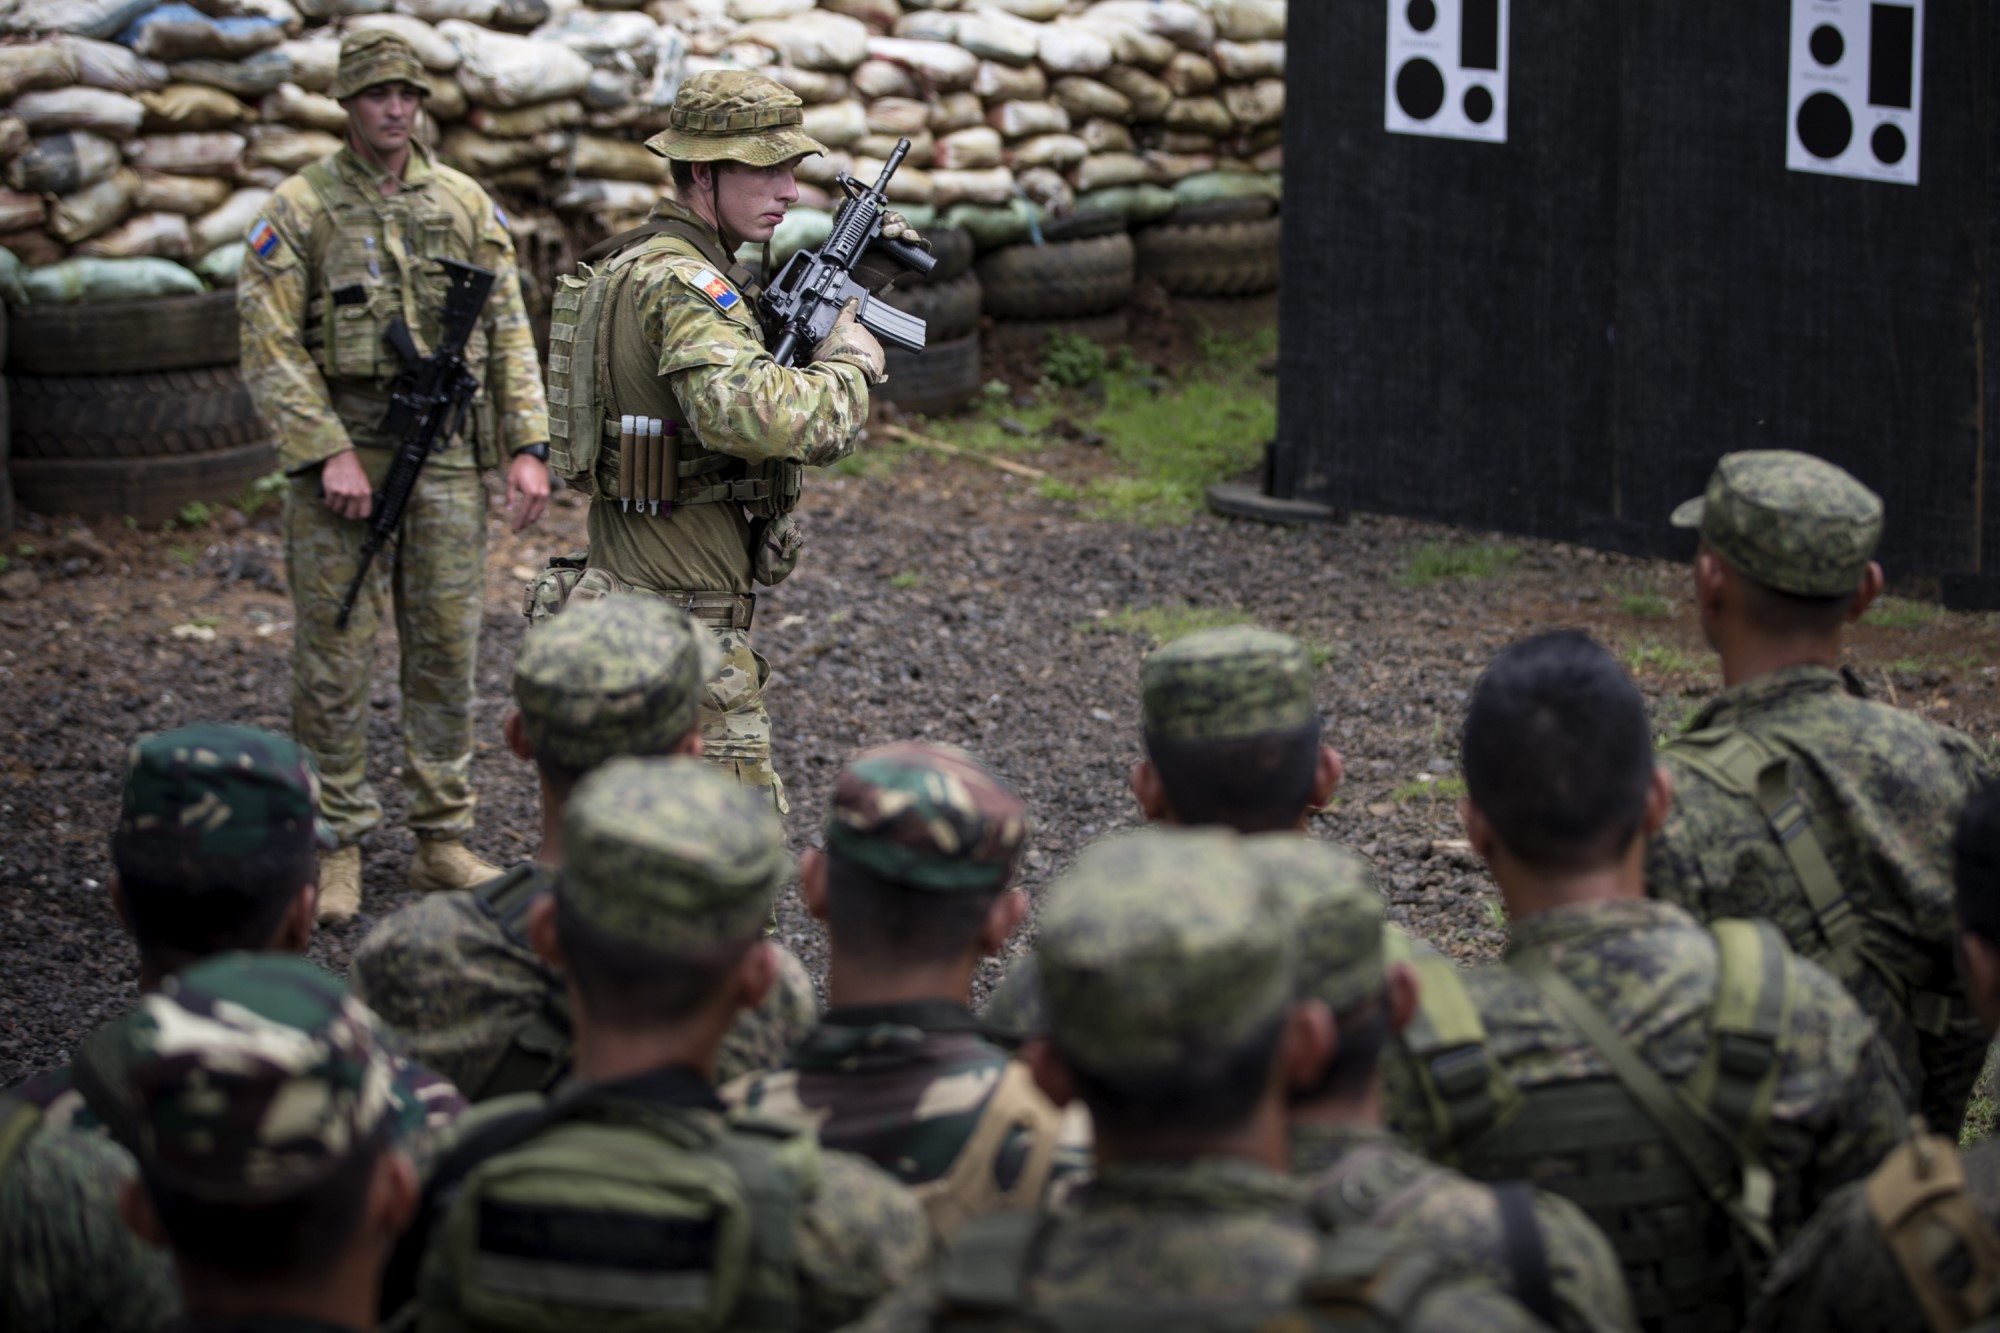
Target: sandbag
104, 280
525, 122
1271, 160
97, 110
315, 61
288, 149
994, 185
101, 19
1138, 204
213, 153
111, 66
1084, 98
836, 124
1017, 120
163, 234
912, 185
1252, 105
1045, 187
746, 11
447, 102
957, 111
1244, 61
1199, 115
252, 76
879, 15
898, 115
882, 78
32, 248
1131, 43
940, 64
500, 70
601, 38
878, 146
992, 227
62, 163
607, 196
609, 92
229, 221
1039, 10
477, 155
190, 196
1180, 22
14, 139
293, 105
222, 266
174, 32
430, 46
812, 85
1106, 136
441, 11
1150, 97
1167, 168
746, 55
93, 209
968, 149
995, 82
1249, 20
823, 169
802, 229
1189, 75
1157, 140
616, 159
20, 210
989, 36
1216, 186
813, 40
1073, 49
1047, 150
28, 68
334, 9
1102, 170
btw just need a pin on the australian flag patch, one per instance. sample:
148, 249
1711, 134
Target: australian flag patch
716, 289
263, 238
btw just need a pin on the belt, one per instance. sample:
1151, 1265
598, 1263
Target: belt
723, 610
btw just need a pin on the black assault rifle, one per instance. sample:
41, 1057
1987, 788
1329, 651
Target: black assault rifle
801, 306
427, 405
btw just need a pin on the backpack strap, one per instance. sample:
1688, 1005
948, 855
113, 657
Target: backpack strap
538, 1052
1527, 1251
1949, 1254
1737, 1184
19, 1119
1364, 1274
766, 1156
970, 1188
1467, 1090
984, 1272
1753, 1006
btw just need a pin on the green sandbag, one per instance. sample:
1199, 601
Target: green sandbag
100, 280
10, 279
1138, 204
220, 267
1214, 186
808, 228
993, 227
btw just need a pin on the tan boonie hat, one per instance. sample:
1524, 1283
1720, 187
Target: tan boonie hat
1788, 520
732, 115
373, 56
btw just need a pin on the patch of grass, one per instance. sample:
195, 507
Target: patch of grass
1428, 788
194, 514
4, 562
1917, 666
205, 622
1435, 561
264, 490
1982, 1113
907, 578
1680, 726
1643, 605
24, 549
1164, 624
1071, 361
1901, 613
184, 555
1647, 655
1496, 915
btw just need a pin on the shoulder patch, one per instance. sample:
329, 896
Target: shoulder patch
262, 238
716, 289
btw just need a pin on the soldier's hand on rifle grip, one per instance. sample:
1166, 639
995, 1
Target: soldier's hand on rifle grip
848, 341
527, 489
345, 486
895, 227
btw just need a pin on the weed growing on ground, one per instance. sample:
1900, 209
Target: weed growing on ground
1164, 624
1496, 914
1981, 1114
1901, 613
908, 578
264, 490
1071, 361
194, 514
1435, 561
1424, 787
183, 555
1648, 655
1643, 605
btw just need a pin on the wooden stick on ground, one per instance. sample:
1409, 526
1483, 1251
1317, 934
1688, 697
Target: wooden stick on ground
909, 436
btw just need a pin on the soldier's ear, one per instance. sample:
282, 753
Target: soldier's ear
295, 929
691, 745
392, 1195
542, 931
1711, 580
1151, 793
1659, 801
1310, 1042
812, 883
1002, 920
517, 735
1478, 832
757, 973
1404, 994
135, 1206
1327, 774
1870, 589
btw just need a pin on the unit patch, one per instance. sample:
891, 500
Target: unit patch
716, 289
263, 238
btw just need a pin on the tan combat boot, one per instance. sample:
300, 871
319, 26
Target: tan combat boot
444, 863
339, 886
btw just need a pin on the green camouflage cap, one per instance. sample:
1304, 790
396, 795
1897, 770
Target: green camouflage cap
732, 115
927, 817
221, 792
1788, 520
1336, 916
1225, 684
374, 56
1159, 948
620, 675
248, 1077
670, 854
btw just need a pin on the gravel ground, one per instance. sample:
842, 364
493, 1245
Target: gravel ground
946, 601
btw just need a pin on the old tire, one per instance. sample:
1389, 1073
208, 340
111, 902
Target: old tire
1230, 314
1058, 281
1083, 226
133, 416
1211, 259
151, 490
120, 338
1032, 334
943, 378
952, 248
1223, 210
949, 309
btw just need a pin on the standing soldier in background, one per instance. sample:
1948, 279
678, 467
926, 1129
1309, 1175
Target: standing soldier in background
343, 250
1796, 797
665, 328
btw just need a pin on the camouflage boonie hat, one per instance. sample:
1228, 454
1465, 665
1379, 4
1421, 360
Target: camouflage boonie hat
1226, 684
670, 854
928, 817
248, 1078
221, 792
732, 115
373, 56
1336, 917
1788, 520
619, 675
1160, 948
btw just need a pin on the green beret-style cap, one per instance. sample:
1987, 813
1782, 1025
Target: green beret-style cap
1788, 520
1225, 684
1336, 913
927, 817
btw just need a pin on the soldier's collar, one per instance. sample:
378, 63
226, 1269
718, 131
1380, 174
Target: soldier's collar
674, 211
1570, 925
929, 1015
1783, 683
1218, 1183
420, 170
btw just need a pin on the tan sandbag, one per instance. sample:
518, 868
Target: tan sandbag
812, 85
610, 197
229, 221
28, 68
288, 149
479, 156
995, 82
1106, 136
812, 196
957, 111
35, 248
1166, 168
1158, 140
911, 185
898, 115
879, 146
823, 169
181, 107
879, 15
1131, 43
252, 76
447, 102
617, 159
162, 234
174, 39
1065, 48
882, 78
1270, 160
500, 70
425, 42
1189, 75
260, 178
1253, 105
1102, 170
1017, 120
994, 185
1040, 11
524, 122
1245, 61
748, 55
812, 40
1047, 150
211, 153
1150, 97
93, 209
836, 124
14, 138
441, 11
1199, 115
1257, 140
745, 11
190, 196
939, 65
63, 163
1045, 187
990, 36
1186, 25
1249, 20
968, 149
98, 110
293, 105
315, 61
1084, 98
111, 66
20, 210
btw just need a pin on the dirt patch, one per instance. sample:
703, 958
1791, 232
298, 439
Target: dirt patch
947, 600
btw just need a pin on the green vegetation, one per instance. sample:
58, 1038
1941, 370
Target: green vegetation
1901, 613
194, 514
1649, 655
1680, 726
205, 622
1163, 624
1071, 361
184, 555
1434, 561
1496, 915
908, 578
1428, 788
1923, 662
1981, 1114
264, 490
24, 549
1643, 605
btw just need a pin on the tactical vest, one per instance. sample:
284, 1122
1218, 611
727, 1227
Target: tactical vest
1676, 1177
538, 1053
596, 376
970, 1188
1751, 768
605, 1214
1360, 1279
1947, 1251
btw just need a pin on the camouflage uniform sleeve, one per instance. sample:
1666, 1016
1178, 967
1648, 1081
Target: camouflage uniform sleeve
1453, 1307
1674, 868
1837, 1275
906, 1310
513, 373
271, 299
1584, 1271
860, 1236
1840, 1088
737, 399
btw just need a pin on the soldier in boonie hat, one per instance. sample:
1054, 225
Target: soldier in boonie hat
730, 115
373, 56
1789, 521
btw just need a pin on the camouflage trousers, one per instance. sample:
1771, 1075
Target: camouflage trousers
435, 572
735, 726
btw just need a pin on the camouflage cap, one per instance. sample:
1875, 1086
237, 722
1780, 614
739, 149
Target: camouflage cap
1336, 915
670, 854
212, 791
1162, 947
929, 817
249, 1077
1224, 684
618, 675
1788, 520
373, 56
732, 115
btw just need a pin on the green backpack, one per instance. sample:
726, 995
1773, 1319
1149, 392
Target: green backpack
620, 1218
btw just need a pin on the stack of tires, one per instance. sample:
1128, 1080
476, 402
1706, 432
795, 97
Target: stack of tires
1078, 280
131, 408
1217, 259
945, 375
